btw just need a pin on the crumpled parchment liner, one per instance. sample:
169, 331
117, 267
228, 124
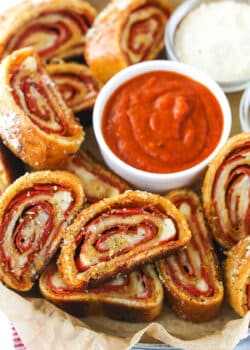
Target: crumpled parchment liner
42, 326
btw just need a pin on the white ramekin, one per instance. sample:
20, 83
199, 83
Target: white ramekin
144, 180
171, 27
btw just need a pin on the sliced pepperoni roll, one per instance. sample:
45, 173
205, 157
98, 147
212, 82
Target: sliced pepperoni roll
124, 33
226, 191
118, 234
54, 28
76, 84
190, 275
98, 182
237, 276
35, 122
34, 210
137, 296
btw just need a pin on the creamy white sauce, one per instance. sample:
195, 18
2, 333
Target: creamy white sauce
215, 38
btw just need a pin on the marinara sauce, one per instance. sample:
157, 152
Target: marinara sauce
162, 122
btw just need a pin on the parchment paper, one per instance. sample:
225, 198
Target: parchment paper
42, 326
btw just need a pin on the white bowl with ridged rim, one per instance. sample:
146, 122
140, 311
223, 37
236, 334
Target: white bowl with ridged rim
155, 182
172, 24
244, 110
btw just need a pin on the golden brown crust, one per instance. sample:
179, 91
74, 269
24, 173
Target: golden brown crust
105, 40
41, 143
191, 276
135, 297
76, 83
237, 276
98, 182
10, 167
33, 212
225, 191
25, 16
118, 242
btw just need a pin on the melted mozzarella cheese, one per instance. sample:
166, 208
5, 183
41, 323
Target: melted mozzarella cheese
63, 199
167, 229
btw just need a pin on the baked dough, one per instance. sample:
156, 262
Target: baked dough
226, 190
55, 28
191, 275
137, 296
34, 210
124, 33
35, 122
76, 84
118, 234
237, 276
98, 182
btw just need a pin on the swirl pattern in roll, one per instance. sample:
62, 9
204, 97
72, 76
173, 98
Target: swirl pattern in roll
226, 191
124, 33
54, 28
237, 276
35, 122
137, 296
34, 210
191, 275
98, 182
76, 84
118, 234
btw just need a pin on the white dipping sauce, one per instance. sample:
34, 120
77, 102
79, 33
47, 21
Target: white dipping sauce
215, 37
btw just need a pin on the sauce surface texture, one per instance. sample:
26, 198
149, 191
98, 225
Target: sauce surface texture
162, 122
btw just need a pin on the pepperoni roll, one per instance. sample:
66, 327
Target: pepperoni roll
191, 276
54, 28
34, 210
98, 182
76, 84
117, 234
35, 122
124, 33
226, 191
137, 296
237, 276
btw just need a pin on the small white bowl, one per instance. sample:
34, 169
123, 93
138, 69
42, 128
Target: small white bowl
144, 180
245, 110
171, 27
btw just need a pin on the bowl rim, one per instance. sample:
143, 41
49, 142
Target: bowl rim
176, 17
160, 65
244, 110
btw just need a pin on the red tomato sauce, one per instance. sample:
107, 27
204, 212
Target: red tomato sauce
162, 122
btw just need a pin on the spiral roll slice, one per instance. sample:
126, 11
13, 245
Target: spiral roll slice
54, 28
35, 122
191, 274
237, 276
137, 296
124, 33
98, 182
34, 210
76, 84
226, 191
117, 234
